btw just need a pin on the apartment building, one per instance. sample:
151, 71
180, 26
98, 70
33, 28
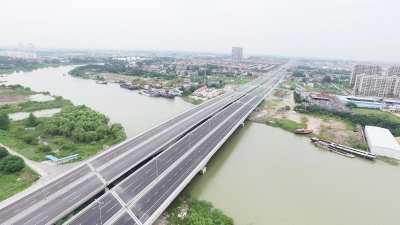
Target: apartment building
237, 53
393, 71
22, 55
377, 85
364, 69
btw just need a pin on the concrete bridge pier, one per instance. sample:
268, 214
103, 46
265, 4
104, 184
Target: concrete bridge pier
203, 171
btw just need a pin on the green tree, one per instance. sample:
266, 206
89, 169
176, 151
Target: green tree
351, 105
298, 74
327, 79
4, 121
32, 120
12, 164
3, 152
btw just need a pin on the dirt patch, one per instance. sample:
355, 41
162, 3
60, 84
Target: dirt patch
113, 78
4, 100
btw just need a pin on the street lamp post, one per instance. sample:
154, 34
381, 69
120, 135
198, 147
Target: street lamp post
101, 220
209, 125
44, 192
190, 137
155, 158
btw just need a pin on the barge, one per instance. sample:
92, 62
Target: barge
129, 86
341, 149
147, 93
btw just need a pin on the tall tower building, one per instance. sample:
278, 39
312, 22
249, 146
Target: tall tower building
237, 53
364, 69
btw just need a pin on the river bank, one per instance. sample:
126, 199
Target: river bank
274, 112
261, 172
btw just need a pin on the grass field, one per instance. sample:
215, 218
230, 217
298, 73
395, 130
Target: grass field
10, 184
286, 124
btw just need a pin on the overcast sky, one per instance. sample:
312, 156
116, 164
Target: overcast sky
334, 29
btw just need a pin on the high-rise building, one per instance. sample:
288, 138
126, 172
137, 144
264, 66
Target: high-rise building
30, 48
364, 69
393, 71
237, 53
377, 85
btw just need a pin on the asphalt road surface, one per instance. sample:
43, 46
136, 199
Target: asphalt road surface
153, 199
47, 212
137, 182
107, 205
38, 196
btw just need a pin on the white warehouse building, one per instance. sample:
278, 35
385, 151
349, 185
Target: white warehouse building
381, 142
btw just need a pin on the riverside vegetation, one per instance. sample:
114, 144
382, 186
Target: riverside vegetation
15, 176
10, 65
198, 212
74, 130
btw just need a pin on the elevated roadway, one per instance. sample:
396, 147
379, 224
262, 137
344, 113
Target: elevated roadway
144, 193
108, 166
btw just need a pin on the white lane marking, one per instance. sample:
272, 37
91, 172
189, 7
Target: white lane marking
75, 198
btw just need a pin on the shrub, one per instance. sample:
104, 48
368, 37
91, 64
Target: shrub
30, 139
12, 164
4, 121
60, 141
45, 148
3, 152
351, 105
68, 147
287, 108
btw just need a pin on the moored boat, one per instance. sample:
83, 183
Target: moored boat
101, 82
147, 93
128, 86
166, 94
303, 131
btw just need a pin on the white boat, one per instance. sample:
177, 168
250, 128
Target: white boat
147, 93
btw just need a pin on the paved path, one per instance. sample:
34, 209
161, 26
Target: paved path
28, 162
44, 169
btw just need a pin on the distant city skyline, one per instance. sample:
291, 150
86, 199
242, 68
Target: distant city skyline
356, 30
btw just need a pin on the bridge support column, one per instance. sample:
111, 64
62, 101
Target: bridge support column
242, 124
203, 171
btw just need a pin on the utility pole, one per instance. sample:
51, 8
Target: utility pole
101, 220
190, 137
155, 158
44, 192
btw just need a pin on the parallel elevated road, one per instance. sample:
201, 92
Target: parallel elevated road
71, 189
142, 196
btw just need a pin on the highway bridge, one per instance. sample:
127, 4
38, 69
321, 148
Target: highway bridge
143, 195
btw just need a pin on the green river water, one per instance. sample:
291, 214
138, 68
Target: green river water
261, 175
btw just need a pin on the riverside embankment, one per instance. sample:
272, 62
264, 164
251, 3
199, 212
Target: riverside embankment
262, 174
